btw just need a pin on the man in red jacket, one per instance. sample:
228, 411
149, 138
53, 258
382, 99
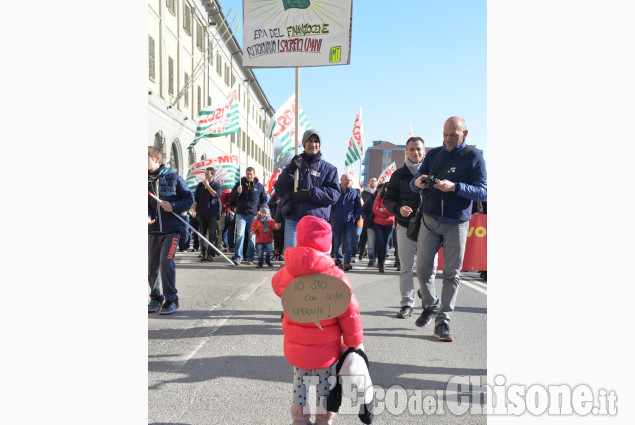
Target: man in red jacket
310, 350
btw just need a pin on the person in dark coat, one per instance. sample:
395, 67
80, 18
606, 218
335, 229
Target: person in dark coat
164, 230
318, 187
207, 210
248, 196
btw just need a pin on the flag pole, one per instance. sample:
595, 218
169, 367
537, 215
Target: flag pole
193, 229
297, 107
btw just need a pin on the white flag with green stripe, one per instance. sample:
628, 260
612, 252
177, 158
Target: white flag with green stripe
282, 126
356, 142
227, 172
219, 120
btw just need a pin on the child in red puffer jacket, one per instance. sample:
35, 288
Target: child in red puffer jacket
311, 351
262, 228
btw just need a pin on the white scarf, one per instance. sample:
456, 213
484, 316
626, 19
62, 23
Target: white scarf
412, 167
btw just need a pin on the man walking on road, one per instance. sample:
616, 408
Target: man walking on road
447, 208
344, 216
248, 195
206, 211
163, 231
364, 236
403, 202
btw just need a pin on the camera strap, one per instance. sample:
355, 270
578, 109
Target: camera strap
467, 149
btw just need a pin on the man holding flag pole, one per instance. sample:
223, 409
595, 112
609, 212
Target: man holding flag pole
317, 186
164, 230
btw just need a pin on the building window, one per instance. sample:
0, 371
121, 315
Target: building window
219, 65
175, 158
233, 138
170, 76
151, 56
186, 95
243, 142
198, 99
170, 5
187, 18
200, 36
209, 100
226, 75
210, 53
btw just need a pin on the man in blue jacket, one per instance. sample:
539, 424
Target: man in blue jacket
447, 210
248, 196
207, 211
344, 216
163, 231
318, 186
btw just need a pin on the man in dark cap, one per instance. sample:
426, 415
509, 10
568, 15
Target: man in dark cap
318, 186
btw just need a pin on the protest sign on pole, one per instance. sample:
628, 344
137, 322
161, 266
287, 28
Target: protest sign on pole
293, 33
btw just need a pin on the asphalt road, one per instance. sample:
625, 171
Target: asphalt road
219, 359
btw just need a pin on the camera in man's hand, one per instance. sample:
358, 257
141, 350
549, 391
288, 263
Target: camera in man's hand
429, 181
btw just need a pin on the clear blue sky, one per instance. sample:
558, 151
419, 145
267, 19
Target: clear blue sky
418, 60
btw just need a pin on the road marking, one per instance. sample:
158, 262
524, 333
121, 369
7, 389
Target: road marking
473, 286
243, 296
481, 284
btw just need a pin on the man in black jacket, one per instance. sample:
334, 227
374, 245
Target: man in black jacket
206, 211
248, 195
400, 200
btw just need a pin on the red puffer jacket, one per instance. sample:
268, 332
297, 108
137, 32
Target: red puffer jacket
261, 236
382, 215
305, 345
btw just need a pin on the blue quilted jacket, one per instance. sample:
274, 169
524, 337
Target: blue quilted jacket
171, 187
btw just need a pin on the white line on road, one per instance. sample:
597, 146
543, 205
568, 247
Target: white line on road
244, 296
479, 283
473, 286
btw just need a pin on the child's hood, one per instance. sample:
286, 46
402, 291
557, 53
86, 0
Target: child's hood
301, 260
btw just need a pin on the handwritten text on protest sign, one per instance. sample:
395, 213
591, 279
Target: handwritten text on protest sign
311, 34
314, 297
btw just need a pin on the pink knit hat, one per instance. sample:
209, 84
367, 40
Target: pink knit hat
314, 233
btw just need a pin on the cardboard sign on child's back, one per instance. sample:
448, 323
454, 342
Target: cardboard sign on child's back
313, 297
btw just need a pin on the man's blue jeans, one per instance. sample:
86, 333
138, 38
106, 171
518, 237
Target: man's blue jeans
348, 234
243, 226
290, 227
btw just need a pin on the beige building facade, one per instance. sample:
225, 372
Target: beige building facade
193, 61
